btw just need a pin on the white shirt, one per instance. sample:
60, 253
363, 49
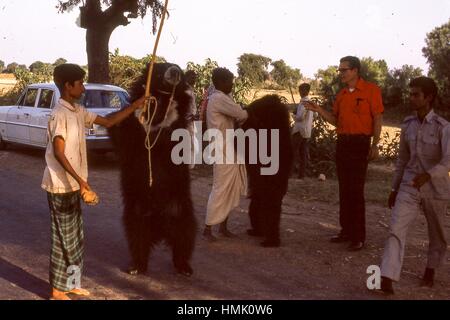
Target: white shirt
69, 123
221, 114
303, 120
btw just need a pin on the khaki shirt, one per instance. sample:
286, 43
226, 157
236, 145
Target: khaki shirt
69, 123
424, 147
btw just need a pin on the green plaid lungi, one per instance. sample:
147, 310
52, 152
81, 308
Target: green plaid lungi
67, 241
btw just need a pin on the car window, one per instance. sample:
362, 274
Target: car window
104, 99
46, 98
30, 98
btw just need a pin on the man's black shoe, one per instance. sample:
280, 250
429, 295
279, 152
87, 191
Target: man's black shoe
355, 246
339, 239
254, 233
386, 286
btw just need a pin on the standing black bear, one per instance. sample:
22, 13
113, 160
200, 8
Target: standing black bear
163, 211
267, 191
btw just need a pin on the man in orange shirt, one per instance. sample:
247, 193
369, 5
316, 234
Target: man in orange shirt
358, 115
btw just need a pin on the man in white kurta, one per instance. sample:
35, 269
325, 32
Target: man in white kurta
230, 180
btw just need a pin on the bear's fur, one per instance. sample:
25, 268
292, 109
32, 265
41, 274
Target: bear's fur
163, 212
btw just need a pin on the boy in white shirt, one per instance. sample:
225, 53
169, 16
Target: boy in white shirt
302, 131
65, 177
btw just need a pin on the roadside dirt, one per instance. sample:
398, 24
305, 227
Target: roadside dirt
307, 266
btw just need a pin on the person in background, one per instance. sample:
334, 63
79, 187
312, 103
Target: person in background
301, 133
191, 78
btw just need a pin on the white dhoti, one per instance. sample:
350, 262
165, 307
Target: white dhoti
229, 184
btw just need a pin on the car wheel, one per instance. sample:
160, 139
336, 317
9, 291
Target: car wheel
2, 143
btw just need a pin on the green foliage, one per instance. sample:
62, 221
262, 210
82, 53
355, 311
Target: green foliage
375, 71
390, 145
285, 76
204, 74
124, 70
11, 68
2, 66
241, 89
323, 148
397, 84
25, 77
59, 61
437, 52
254, 67
329, 84
37, 66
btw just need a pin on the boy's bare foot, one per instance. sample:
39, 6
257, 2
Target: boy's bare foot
59, 295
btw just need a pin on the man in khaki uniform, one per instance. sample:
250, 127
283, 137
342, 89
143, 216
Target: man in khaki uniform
421, 183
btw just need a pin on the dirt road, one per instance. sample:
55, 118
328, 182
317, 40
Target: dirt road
307, 266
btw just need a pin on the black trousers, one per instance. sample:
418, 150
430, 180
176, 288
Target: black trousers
300, 147
265, 214
351, 162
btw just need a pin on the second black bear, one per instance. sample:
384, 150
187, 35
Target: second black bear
267, 191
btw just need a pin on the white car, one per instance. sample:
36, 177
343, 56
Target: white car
26, 122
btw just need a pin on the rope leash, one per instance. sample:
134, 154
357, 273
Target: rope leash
145, 118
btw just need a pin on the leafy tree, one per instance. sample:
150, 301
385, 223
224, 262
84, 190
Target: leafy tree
11, 68
2, 65
254, 67
204, 74
100, 18
285, 76
329, 84
241, 90
397, 83
437, 52
59, 61
125, 69
375, 71
37, 66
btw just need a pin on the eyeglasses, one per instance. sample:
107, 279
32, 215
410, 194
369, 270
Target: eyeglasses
342, 70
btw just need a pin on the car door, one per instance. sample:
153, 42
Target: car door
40, 116
18, 118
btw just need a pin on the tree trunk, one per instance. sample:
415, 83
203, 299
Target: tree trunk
97, 48
292, 94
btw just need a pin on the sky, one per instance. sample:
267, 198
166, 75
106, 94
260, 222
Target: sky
308, 35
